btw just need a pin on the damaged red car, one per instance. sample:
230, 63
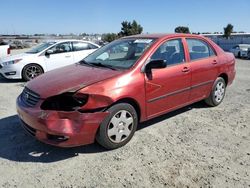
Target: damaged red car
131, 80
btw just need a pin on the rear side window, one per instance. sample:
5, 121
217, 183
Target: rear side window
78, 46
172, 51
199, 49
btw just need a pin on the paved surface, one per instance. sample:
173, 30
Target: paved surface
196, 146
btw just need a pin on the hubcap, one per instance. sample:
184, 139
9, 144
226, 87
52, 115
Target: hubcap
219, 92
120, 126
33, 71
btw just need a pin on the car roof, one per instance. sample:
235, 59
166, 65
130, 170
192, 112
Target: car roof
164, 35
244, 44
69, 40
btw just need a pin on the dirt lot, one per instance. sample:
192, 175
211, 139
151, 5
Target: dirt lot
195, 146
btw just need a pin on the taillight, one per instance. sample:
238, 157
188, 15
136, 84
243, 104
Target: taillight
8, 51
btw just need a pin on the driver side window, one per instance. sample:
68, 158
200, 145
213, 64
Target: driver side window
61, 48
172, 51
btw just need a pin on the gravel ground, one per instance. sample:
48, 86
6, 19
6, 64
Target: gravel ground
195, 146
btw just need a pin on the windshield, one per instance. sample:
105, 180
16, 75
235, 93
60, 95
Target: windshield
120, 54
40, 47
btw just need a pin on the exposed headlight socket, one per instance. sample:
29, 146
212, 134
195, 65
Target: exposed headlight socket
65, 102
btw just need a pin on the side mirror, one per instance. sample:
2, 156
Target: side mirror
156, 64
48, 52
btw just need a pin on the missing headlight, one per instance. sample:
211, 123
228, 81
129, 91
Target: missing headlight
65, 102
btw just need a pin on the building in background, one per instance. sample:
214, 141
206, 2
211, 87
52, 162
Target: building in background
227, 44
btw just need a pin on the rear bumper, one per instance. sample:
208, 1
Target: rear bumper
63, 129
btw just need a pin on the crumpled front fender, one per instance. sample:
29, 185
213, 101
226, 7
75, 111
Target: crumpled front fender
72, 122
96, 101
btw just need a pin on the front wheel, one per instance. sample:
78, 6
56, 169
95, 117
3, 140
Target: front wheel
239, 56
218, 92
31, 71
119, 127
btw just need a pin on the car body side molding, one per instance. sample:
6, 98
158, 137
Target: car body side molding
180, 91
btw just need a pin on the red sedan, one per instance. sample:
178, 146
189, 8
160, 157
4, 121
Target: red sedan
128, 81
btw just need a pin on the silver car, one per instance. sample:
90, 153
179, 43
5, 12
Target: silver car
240, 50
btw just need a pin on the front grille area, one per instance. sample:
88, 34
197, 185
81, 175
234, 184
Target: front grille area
29, 97
57, 138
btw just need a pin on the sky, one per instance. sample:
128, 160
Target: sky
104, 16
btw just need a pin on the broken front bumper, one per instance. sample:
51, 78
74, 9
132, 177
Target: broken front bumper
64, 129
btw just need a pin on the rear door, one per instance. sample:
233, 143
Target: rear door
168, 88
204, 64
62, 56
82, 49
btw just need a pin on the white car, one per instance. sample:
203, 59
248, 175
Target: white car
240, 50
4, 50
45, 57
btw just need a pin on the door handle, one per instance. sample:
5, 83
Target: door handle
185, 69
67, 56
214, 62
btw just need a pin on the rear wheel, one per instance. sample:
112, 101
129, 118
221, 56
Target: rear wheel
218, 92
31, 71
119, 127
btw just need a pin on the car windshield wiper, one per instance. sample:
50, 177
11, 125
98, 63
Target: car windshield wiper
86, 63
103, 65
97, 64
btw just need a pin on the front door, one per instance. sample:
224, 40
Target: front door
168, 88
60, 55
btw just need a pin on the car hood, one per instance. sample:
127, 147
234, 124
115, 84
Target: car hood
17, 56
244, 48
69, 78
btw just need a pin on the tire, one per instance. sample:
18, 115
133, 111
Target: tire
31, 71
119, 127
239, 56
217, 93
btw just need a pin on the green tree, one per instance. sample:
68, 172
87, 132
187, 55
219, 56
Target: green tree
228, 30
182, 29
109, 37
129, 28
83, 34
